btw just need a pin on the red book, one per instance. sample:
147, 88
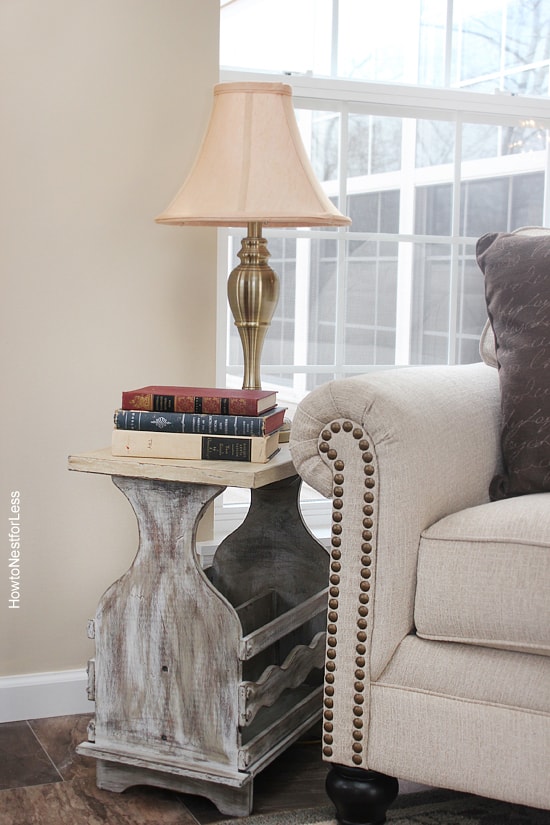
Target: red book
199, 400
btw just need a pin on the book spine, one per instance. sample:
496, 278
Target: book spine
152, 402
189, 423
217, 448
193, 446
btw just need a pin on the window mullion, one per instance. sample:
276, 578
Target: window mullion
455, 235
341, 263
224, 250
334, 39
403, 313
302, 312
448, 57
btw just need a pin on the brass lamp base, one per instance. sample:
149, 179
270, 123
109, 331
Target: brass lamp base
253, 292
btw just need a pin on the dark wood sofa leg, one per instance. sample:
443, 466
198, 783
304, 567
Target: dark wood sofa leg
360, 797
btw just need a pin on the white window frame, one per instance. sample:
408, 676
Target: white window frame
411, 102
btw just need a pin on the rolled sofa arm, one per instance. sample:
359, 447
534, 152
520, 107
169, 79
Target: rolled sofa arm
438, 407
396, 451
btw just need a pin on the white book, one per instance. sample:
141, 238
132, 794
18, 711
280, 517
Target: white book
194, 446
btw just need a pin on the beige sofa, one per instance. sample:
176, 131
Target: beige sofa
438, 642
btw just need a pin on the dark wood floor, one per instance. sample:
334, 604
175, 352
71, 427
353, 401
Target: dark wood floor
44, 782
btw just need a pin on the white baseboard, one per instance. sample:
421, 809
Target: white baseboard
37, 695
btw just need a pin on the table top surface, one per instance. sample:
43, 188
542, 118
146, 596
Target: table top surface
224, 473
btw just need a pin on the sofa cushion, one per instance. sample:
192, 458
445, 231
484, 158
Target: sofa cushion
517, 291
484, 576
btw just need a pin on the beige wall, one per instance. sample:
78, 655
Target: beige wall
103, 106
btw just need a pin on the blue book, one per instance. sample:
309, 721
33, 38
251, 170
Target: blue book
204, 423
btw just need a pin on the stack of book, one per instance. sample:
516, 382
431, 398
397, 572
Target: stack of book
198, 423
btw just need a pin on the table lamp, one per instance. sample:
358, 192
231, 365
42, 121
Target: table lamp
252, 170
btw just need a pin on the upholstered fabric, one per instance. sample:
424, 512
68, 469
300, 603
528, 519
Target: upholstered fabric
411, 418
484, 576
464, 717
444, 713
474, 674
517, 290
404, 454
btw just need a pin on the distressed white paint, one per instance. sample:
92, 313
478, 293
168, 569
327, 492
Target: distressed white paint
169, 664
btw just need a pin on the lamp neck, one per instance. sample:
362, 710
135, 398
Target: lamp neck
255, 229
254, 251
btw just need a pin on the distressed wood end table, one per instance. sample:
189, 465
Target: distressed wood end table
202, 677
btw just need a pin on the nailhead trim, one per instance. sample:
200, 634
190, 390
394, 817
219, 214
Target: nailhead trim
364, 585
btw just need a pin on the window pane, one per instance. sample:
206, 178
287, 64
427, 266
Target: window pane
528, 30
431, 52
320, 133
493, 38
374, 211
374, 144
484, 206
502, 204
386, 149
480, 141
435, 142
318, 379
297, 47
433, 209
279, 341
527, 200
433, 297
534, 82
477, 34
374, 40
371, 294
322, 302
472, 311
525, 137
430, 305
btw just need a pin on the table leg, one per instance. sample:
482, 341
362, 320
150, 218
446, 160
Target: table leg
166, 684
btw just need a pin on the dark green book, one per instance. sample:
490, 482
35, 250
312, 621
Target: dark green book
203, 423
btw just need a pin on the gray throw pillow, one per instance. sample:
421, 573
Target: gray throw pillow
517, 291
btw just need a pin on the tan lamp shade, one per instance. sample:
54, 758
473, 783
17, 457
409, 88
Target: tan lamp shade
252, 166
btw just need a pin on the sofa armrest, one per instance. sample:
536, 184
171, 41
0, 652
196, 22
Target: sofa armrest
396, 450
444, 411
